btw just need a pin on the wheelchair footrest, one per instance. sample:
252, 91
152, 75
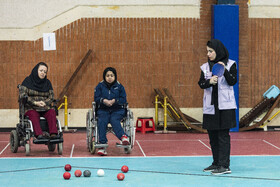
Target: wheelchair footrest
56, 141
47, 141
122, 146
101, 145
40, 141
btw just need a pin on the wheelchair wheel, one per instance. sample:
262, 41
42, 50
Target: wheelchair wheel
51, 147
92, 148
27, 149
133, 130
127, 150
89, 130
14, 141
60, 148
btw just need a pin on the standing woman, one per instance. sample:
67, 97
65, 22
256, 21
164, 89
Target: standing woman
40, 95
218, 105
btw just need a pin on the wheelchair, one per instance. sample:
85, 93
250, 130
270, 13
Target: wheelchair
23, 133
92, 130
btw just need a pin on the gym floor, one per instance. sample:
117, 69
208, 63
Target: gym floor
156, 160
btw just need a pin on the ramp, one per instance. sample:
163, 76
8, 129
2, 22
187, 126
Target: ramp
178, 115
66, 88
265, 105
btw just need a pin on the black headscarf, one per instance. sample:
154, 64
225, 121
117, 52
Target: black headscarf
34, 82
221, 51
104, 75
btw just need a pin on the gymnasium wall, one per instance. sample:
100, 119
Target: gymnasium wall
150, 44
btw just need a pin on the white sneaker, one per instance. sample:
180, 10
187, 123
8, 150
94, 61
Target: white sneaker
125, 140
102, 152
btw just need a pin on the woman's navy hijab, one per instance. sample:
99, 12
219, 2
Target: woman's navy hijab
34, 82
104, 75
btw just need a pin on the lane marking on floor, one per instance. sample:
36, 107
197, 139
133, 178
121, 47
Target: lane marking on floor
204, 144
194, 140
72, 150
140, 148
271, 144
245, 139
5, 148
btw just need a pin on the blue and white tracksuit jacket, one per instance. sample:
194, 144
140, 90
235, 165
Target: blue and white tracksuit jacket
113, 114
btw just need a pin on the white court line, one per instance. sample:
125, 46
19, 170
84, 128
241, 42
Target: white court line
190, 140
245, 139
204, 144
194, 140
4, 148
132, 157
72, 150
272, 145
141, 148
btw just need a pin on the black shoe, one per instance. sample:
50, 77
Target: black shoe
55, 136
46, 135
221, 170
40, 137
211, 168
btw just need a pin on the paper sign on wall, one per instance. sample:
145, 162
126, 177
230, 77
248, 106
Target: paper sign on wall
49, 41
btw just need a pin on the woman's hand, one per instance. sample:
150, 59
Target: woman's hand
222, 63
109, 103
113, 101
214, 80
106, 102
40, 103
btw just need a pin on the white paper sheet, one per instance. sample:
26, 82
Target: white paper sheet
49, 41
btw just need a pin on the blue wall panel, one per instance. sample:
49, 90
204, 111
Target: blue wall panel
225, 27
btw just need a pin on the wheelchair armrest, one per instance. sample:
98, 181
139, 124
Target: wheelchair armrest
93, 104
126, 105
22, 99
23, 116
56, 110
54, 104
94, 108
55, 101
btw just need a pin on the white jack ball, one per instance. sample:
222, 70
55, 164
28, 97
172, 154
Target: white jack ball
100, 172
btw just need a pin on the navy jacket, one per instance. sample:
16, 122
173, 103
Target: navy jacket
116, 92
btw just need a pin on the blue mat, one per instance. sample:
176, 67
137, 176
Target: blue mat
143, 171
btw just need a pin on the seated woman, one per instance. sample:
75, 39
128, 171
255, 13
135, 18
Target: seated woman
39, 92
110, 97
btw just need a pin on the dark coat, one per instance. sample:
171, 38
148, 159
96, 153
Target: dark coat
116, 91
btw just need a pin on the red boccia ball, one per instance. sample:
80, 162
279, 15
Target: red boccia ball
120, 176
124, 169
78, 173
66, 175
67, 167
